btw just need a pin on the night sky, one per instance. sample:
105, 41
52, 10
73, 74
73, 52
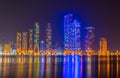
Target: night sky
18, 16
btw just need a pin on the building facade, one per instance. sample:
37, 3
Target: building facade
30, 38
24, 42
36, 38
19, 42
89, 40
48, 39
103, 45
71, 34
7, 48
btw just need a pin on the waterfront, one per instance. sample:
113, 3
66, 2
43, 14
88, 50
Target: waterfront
59, 66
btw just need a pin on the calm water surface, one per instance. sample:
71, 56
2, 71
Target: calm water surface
59, 67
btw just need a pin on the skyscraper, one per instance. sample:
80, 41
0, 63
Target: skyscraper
24, 42
12, 47
89, 40
30, 41
67, 21
48, 39
71, 35
36, 38
19, 42
103, 45
7, 48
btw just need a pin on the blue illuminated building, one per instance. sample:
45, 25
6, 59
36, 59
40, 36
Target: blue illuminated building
71, 34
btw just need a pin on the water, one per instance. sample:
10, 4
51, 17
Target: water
59, 67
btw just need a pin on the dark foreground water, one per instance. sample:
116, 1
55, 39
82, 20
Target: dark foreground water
59, 67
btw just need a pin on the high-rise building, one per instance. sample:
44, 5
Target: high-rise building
103, 45
7, 48
19, 42
30, 50
12, 46
24, 42
36, 38
71, 34
48, 39
67, 22
89, 40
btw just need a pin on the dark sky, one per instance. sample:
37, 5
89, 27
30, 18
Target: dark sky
18, 16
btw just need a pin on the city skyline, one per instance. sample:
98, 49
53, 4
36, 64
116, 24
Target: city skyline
59, 39
89, 28
29, 42
19, 16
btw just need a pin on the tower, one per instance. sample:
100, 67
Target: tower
36, 38
48, 39
67, 23
24, 42
30, 41
12, 46
77, 35
103, 45
89, 40
18, 42
7, 48
71, 35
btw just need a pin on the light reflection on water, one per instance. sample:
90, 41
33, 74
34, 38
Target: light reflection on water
59, 67
72, 69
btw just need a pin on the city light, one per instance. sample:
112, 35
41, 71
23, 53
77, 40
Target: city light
28, 43
59, 39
